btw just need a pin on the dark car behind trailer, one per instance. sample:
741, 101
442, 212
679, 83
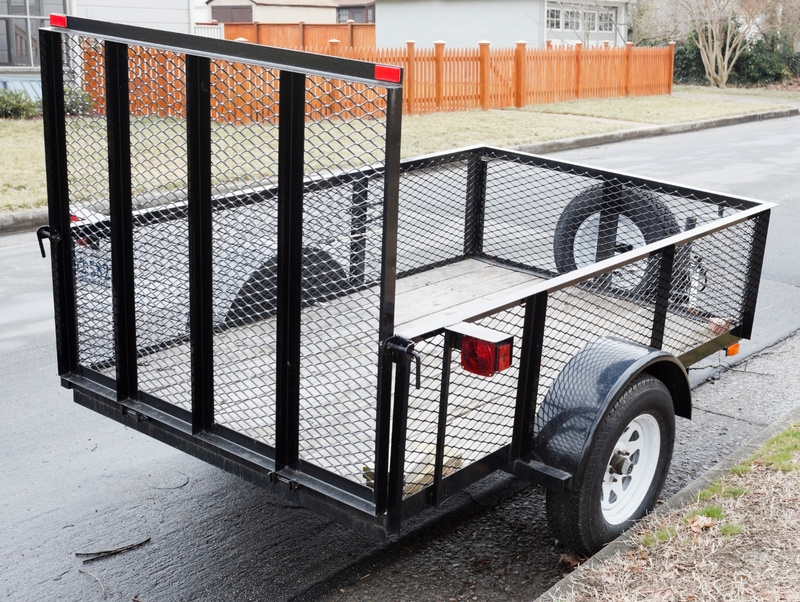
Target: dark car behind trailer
244, 269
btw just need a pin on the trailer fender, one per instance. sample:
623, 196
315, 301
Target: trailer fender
581, 395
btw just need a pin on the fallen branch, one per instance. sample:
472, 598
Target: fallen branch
92, 556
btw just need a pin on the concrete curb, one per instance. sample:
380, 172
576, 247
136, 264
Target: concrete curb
684, 497
555, 146
21, 221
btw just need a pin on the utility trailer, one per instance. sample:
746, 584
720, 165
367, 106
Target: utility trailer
245, 269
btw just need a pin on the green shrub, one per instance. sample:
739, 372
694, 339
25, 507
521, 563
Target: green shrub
16, 105
763, 63
688, 64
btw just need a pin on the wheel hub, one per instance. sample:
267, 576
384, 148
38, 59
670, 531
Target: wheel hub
620, 464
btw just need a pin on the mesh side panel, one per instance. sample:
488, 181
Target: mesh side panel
711, 301
480, 410
158, 178
580, 314
87, 168
244, 146
341, 258
558, 220
432, 215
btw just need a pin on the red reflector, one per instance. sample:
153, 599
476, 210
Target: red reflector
387, 74
477, 356
503, 357
58, 20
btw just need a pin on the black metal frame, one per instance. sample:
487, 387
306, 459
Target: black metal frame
376, 510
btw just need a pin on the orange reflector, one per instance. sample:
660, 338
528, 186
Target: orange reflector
732, 349
58, 20
387, 74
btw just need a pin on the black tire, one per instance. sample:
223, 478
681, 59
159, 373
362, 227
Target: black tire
323, 279
577, 516
645, 210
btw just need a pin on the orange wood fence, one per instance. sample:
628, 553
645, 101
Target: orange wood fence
446, 79
436, 79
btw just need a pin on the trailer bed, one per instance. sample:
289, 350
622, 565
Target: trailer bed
337, 409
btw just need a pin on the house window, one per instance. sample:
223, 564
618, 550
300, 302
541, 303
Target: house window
19, 30
370, 15
232, 14
572, 20
342, 15
553, 18
606, 20
589, 21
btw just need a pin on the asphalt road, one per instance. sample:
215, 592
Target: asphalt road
72, 481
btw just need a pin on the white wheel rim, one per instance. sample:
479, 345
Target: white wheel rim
628, 235
636, 453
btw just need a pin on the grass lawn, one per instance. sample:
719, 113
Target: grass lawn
247, 153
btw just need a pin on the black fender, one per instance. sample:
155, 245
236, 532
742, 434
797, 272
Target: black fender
581, 395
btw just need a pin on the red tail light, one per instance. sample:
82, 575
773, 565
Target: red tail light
483, 351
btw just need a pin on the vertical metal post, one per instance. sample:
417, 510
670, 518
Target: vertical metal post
119, 189
663, 290
291, 147
398, 457
391, 185
358, 232
55, 156
530, 362
756, 262
435, 492
201, 312
475, 205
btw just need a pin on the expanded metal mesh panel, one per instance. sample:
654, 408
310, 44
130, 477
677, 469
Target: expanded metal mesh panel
713, 270
160, 248
480, 410
244, 151
342, 239
556, 219
87, 171
432, 215
595, 308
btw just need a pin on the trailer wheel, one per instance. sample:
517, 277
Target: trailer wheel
625, 472
323, 279
630, 219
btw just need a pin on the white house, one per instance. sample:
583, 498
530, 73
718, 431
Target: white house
463, 23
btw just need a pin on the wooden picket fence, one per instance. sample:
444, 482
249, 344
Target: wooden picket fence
303, 35
436, 79
445, 79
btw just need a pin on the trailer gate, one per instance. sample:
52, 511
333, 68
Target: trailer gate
244, 269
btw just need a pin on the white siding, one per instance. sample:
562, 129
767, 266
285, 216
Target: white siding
294, 14
460, 23
170, 15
